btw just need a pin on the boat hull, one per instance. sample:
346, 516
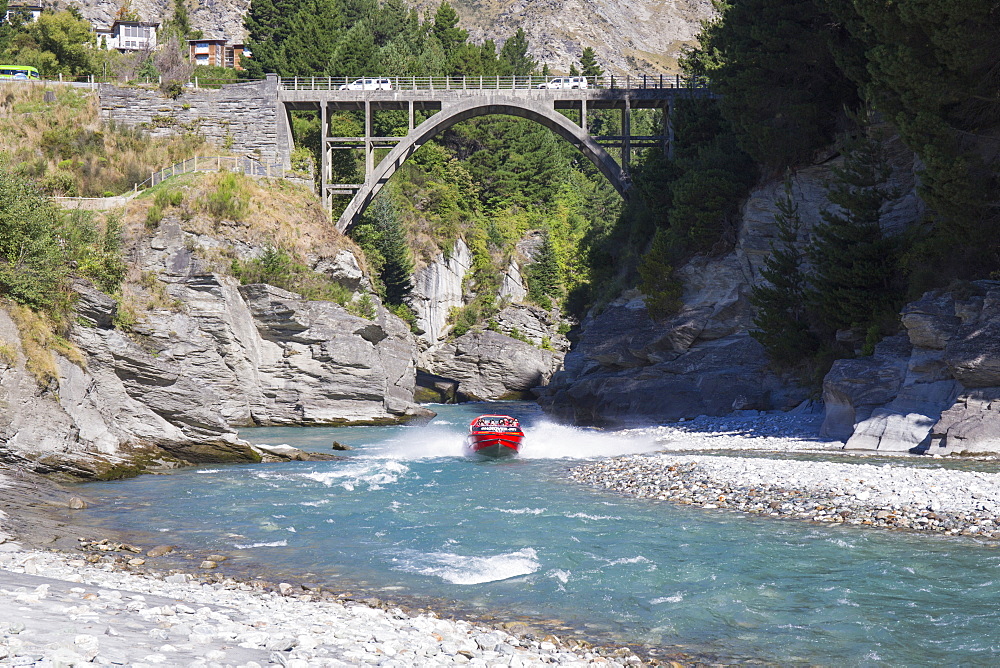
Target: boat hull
493, 446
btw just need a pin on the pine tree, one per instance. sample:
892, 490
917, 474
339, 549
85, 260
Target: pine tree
781, 319
514, 58
854, 282
382, 235
544, 274
446, 28
588, 65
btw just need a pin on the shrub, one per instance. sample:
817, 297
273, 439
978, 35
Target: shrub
229, 200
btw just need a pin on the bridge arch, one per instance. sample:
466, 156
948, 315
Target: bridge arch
451, 114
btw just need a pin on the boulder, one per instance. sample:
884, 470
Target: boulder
489, 365
319, 364
931, 321
344, 269
974, 356
714, 378
971, 425
854, 388
93, 307
533, 323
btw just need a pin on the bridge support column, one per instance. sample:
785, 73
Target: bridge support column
627, 136
411, 125
369, 147
583, 115
668, 128
324, 162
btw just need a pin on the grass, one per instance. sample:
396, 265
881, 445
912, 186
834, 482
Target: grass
65, 147
8, 353
39, 340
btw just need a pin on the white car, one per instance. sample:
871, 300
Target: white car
368, 84
565, 82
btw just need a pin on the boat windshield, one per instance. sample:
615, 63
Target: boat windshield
495, 422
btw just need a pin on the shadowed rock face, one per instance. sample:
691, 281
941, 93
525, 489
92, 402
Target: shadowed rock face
934, 388
627, 370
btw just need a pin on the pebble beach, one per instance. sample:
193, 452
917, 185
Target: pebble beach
906, 492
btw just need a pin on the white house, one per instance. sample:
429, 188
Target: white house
125, 36
29, 11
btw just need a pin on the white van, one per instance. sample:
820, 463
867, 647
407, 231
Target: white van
565, 82
368, 84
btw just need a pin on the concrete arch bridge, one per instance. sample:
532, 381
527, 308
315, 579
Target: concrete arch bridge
453, 100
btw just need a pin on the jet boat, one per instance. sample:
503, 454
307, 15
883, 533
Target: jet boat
494, 437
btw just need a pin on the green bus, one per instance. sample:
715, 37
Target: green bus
18, 73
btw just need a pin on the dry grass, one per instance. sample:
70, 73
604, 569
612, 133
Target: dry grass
65, 147
8, 353
39, 340
259, 213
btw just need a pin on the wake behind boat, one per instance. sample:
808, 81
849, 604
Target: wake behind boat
494, 437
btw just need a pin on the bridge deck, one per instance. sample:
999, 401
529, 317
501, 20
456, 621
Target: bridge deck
595, 98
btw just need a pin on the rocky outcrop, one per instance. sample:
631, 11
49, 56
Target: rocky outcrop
437, 289
627, 369
934, 388
490, 365
124, 410
211, 357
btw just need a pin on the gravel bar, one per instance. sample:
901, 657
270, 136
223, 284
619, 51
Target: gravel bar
887, 496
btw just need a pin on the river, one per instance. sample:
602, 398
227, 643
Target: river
403, 514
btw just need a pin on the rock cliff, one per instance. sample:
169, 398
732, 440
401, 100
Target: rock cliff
204, 357
522, 354
933, 388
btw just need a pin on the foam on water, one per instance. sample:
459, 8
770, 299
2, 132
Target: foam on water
465, 570
370, 473
250, 546
543, 440
547, 440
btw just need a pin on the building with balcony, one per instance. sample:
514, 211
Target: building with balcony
215, 52
127, 36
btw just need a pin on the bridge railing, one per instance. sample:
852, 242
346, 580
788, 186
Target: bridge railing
609, 82
215, 163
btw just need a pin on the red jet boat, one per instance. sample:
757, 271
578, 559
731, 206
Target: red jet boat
494, 436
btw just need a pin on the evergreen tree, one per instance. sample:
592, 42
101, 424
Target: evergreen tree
779, 80
573, 72
781, 319
269, 23
658, 283
588, 64
382, 235
354, 55
446, 28
544, 274
179, 24
514, 58
854, 282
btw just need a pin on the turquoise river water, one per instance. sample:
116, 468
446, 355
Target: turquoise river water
405, 515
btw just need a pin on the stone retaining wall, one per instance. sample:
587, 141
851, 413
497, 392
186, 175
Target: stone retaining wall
242, 117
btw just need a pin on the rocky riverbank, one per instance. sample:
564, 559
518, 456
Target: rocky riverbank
902, 493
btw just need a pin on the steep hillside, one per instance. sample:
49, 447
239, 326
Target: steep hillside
627, 35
